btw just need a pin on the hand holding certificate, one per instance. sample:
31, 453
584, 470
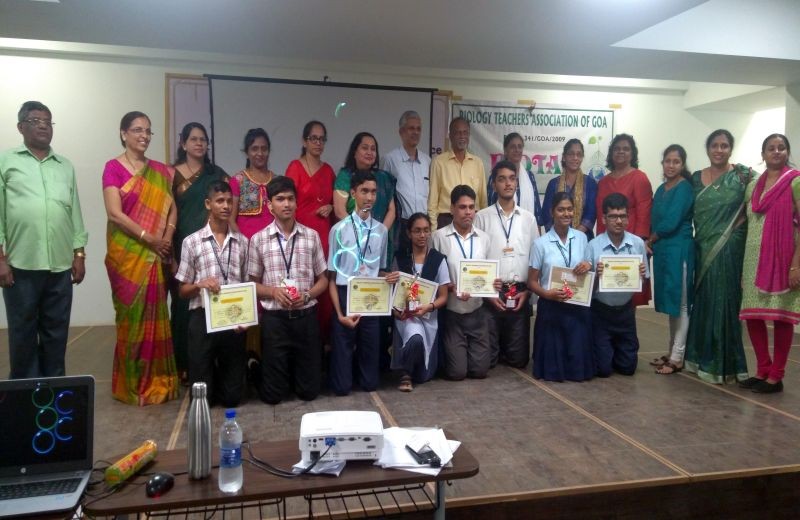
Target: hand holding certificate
620, 273
406, 298
579, 285
367, 296
232, 307
476, 278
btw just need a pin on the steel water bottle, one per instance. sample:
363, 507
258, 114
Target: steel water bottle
199, 446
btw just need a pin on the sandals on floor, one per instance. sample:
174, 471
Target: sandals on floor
669, 364
660, 361
405, 384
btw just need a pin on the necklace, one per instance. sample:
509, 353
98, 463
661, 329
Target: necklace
268, 176
133, 167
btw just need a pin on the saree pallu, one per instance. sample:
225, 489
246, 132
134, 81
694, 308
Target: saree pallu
714, 347
144, 367
190, 201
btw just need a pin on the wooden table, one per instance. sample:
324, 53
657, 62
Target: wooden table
264, 489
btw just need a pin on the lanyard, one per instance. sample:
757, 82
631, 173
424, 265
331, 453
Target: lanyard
361, 253
219, 262
288, 264
414, 265
458, 241
503, 225
568, 260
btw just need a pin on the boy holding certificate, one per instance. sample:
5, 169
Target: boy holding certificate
210, 258
620, 261
287, 263
467, 350
358, 245
512, 231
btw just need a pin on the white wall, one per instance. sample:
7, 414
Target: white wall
88, 96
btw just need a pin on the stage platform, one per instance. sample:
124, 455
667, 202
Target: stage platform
646, 446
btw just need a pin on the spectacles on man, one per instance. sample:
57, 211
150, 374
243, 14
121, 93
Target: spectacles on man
616, 217
139, 131
317, 139
35, 121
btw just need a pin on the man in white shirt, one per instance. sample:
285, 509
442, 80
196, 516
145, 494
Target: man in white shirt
410, 166
467, 350
511, 232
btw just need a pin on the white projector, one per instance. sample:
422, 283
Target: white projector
350, 435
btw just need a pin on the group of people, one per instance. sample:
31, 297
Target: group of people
189, 227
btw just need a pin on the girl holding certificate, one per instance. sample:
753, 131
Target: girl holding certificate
562, 337
416, 330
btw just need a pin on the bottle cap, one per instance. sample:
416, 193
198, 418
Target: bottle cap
199, 390
230, 414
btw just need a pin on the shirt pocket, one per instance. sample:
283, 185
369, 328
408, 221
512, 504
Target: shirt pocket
60, 191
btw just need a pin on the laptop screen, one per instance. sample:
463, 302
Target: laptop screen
47, 425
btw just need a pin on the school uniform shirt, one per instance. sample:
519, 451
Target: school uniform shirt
510, 239
548, 251
357, 248
601, 246
455, 247
202, 257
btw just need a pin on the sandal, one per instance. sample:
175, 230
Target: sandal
405, 384
660, 361
674, 369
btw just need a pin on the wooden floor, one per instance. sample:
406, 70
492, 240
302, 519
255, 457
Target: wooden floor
533, 439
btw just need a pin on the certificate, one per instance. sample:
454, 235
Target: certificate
426, 291
233, 306
369, 296
476, 277
620, 273
580, 285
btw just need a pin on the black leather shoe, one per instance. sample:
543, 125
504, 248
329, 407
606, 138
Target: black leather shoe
768, 388
750, 382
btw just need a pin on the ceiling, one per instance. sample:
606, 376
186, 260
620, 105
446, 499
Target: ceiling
723, 41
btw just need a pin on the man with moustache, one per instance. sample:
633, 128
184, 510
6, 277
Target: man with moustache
210, 258
287, 263
467, 348
616, 344
42, 240
452, 168
410, 166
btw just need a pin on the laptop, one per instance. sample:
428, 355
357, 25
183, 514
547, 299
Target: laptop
46, 428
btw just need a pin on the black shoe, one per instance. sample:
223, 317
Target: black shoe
750, 382
768, 388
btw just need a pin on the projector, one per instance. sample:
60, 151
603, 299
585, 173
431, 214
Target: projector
348, 435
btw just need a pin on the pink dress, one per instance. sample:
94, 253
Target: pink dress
254, 215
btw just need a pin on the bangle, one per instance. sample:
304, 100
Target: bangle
141, 235
171, 225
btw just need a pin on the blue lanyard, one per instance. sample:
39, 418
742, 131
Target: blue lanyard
458, 241
361, 253
560, 250
219, 262
288, 263
503, 225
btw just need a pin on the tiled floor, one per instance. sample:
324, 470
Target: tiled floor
529, 436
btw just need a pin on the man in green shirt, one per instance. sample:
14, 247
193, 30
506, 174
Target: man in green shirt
42, 237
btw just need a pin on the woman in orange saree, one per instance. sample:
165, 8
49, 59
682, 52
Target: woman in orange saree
141, 221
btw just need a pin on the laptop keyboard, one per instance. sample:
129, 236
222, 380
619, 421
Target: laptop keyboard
38, 489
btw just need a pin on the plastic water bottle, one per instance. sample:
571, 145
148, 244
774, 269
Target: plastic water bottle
231, 475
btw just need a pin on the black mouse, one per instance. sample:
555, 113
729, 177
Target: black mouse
159, 484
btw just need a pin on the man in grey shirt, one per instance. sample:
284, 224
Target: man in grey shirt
410, 167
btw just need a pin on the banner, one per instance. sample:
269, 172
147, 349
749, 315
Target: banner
544, 130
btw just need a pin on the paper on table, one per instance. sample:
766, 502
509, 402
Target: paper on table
395, 455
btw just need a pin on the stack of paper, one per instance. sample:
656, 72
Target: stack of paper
395, 455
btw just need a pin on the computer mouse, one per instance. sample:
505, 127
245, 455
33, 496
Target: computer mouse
159, 484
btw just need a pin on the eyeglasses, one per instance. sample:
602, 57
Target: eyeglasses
201, 140
420, 232
573, 154
37, 122
617, 217
317, 139
139, 131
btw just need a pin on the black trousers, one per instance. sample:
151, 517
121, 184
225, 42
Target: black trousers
291, 355
217, 359
616, 345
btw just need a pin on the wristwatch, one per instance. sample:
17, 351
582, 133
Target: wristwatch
80, 254
306, 297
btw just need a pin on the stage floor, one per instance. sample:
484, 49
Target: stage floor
531, 438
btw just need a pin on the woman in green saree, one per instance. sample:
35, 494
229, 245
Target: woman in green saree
714, 347
194, 172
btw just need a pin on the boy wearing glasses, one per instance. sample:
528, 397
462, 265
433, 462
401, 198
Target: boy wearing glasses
613, 315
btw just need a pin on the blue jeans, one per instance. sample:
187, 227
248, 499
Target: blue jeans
38, 307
